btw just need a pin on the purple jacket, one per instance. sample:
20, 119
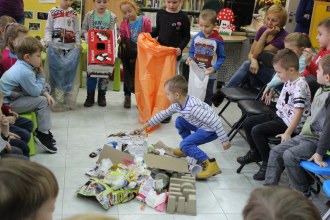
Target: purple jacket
278, 40
125, 30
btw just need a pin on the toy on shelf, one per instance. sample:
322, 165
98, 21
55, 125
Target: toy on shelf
226, 18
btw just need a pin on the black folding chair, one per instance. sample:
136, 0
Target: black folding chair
256, 107
243, 93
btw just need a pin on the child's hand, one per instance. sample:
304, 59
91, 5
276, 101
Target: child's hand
284, 137
318, 159
14, 136
209, 71
39, 70
226, 145
4, 126
254, 66
138, 131
178, 51
8, 147
267, 96
50, 100
141, 129
11, 119
189, 59
308, 54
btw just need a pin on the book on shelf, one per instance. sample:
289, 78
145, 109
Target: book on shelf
188, 5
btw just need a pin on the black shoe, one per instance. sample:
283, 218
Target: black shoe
167, 120
251, 156
308, 194
89, 99
52, 138
44, 140
260, 175
217, 98
101, 98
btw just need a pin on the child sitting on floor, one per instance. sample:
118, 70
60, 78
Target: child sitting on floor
198, 117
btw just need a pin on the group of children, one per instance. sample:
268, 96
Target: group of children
24, 89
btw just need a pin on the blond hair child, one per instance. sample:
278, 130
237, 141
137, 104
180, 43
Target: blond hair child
205, 46
198, 117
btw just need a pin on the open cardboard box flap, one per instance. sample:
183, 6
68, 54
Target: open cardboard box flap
153, 161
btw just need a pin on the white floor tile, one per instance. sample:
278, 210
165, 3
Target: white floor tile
201, 217
83, 130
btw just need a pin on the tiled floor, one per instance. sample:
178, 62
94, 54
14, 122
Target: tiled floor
80, 131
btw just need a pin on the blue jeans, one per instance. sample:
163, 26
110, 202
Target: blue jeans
92, 81
264, 75
190, 141
23, 128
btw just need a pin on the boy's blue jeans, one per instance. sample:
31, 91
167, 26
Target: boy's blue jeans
190, 142
92, 81
264, 74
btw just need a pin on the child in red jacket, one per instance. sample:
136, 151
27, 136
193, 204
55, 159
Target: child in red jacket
323, 38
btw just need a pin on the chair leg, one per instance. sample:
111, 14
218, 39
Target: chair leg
240, 168
326, 215
318, 183
224, 108
237, 126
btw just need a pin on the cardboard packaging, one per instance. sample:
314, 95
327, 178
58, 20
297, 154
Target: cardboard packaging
102, 52
153, 161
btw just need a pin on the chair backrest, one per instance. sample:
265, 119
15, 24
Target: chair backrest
266, 57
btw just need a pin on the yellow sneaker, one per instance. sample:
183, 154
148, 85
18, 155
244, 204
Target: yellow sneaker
210, 168
179, 153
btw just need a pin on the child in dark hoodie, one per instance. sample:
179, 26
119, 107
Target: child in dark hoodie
207, 49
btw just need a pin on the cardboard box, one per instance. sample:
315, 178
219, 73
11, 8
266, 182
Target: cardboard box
153, 161
101, 47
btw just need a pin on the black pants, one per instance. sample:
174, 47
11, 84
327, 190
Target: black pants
258, 127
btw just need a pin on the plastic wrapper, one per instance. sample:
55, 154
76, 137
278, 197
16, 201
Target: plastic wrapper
116, 180
153, 199
104, 194
198, 81
145, 188
62, 73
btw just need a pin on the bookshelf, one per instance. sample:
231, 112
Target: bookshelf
191, 7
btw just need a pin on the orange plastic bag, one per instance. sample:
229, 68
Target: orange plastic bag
154, 65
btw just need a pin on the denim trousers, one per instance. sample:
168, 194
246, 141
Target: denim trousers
263, 76
288, 155
190, 142
92, 81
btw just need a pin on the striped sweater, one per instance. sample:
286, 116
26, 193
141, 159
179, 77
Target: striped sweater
196, 113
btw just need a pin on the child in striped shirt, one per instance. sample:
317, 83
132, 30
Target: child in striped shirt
198, 117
